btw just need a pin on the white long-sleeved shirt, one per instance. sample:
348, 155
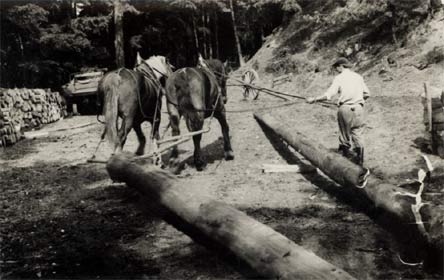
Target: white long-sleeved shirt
350, 86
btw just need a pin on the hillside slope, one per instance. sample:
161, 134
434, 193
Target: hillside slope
395, 60
396, 51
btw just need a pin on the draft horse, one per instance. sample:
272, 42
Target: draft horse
198, 93
135, 96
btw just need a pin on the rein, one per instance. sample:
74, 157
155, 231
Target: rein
149, 76
273, 92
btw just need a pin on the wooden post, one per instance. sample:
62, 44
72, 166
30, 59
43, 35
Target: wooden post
75, 112
236, 36
219, 226
429, 109
118, 40
430, 119
386, 196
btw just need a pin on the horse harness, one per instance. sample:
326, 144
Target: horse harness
151, 79
207, 71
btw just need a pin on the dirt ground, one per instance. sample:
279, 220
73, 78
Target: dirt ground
63, 218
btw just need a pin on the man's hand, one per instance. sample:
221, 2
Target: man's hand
310, 100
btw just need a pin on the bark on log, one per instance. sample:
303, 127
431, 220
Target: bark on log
344, 172
217, 225
274, 168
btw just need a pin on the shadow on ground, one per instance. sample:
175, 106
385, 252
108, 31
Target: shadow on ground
405, 238
55, 228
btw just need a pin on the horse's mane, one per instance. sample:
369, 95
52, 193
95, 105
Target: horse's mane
156, 59
146, 70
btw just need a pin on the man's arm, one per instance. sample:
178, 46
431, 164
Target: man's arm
332, 90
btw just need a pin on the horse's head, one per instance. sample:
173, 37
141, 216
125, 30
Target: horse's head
202, 63
159, 64
139, 60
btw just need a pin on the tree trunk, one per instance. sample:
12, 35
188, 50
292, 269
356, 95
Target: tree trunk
196, 38
210, 38
118, 40
216, 34
73, 10
344, 172
221, 227
67, 9
22, 50
204, 35
239, 50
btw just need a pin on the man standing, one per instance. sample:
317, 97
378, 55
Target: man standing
352, 92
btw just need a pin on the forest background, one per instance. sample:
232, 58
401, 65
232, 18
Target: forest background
43, 42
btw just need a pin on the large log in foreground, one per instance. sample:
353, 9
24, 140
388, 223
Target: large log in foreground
218, 225
393, 199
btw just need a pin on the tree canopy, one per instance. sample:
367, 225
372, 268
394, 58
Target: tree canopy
43, 42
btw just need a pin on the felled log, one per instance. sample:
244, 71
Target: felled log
275, 168
219, 226
386, 196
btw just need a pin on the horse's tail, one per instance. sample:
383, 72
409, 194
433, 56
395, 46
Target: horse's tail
109, 87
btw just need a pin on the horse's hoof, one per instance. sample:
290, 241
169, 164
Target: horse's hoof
229, 155
173, 162
139, 153
159, 163
200, 166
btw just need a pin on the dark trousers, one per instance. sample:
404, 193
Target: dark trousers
351, 126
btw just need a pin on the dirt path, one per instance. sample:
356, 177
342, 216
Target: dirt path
64, 218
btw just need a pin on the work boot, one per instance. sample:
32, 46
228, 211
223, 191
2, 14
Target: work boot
359, 156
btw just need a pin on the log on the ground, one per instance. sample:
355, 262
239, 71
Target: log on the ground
276, 168
386, 196
220, 226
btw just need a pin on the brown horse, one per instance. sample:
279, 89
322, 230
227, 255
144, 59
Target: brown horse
218, 69
134, 96
197, 93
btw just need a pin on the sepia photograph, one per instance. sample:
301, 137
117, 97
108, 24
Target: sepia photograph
222, 139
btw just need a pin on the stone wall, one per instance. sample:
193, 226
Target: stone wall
24, 109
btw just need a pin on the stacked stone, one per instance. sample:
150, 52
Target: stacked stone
435, 133
25, 109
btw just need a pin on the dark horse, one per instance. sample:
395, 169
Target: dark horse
134, 96
198, 93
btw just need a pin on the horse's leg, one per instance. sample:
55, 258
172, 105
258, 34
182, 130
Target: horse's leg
127, 124
141, 137
221, 117
198, 162
174, 122
155, 125
195, 122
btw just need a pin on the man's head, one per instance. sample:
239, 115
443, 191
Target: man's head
341, 63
